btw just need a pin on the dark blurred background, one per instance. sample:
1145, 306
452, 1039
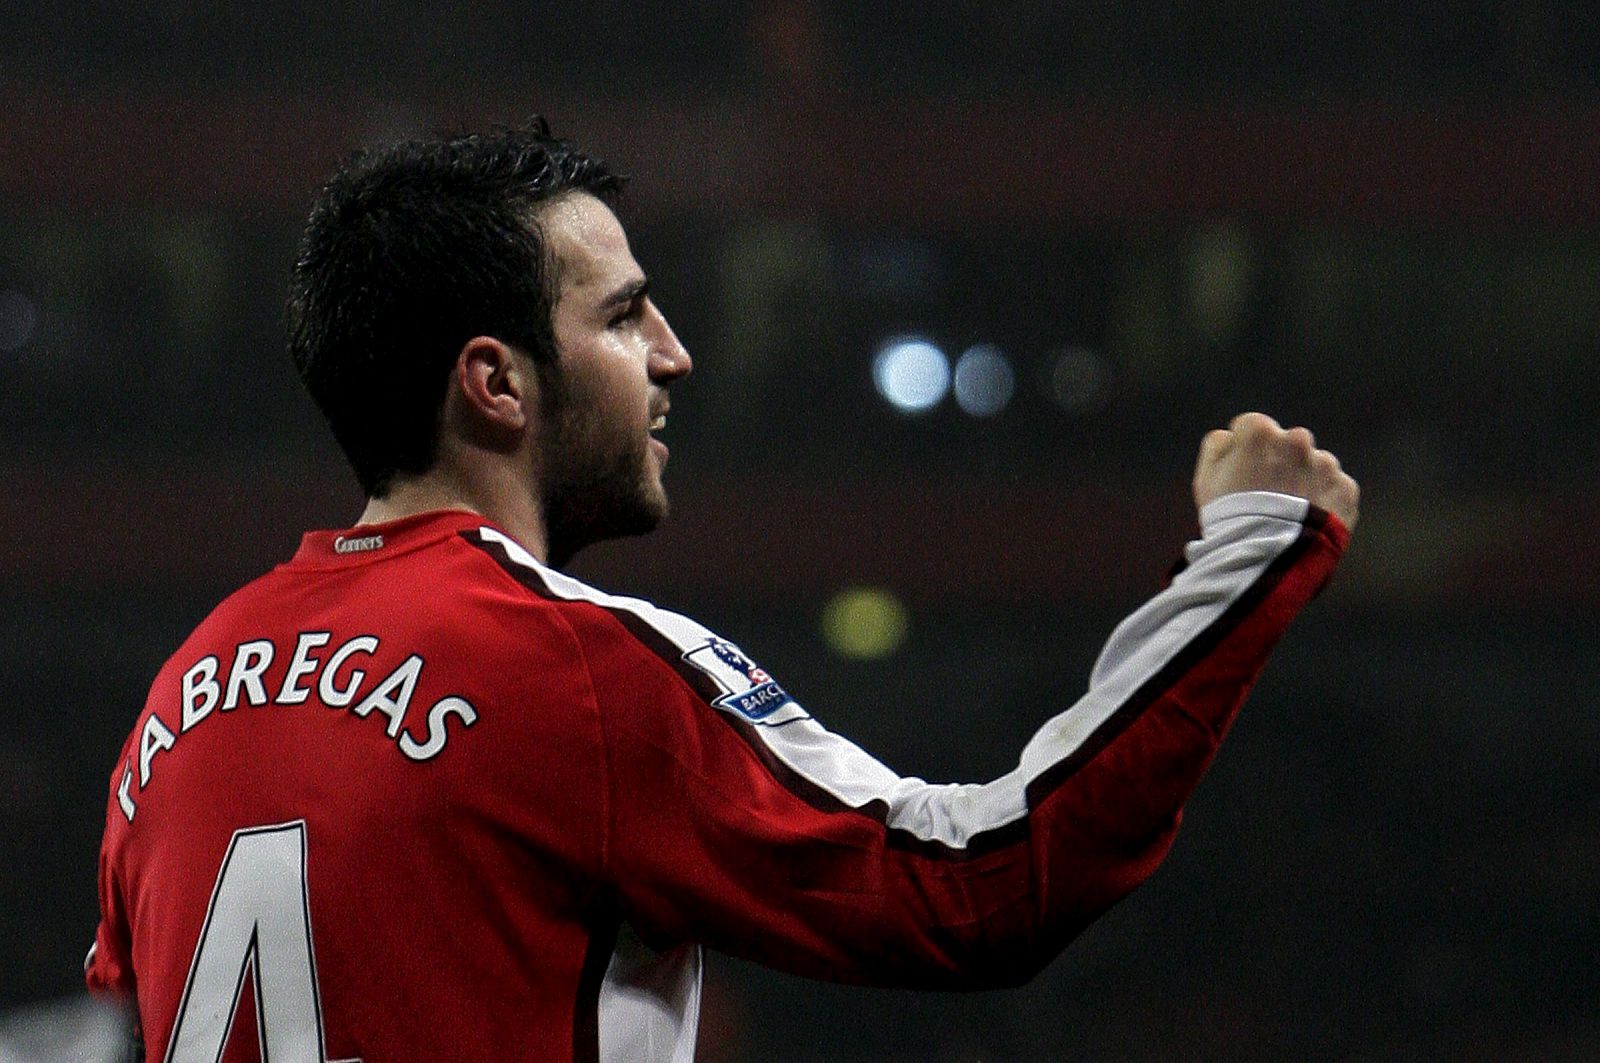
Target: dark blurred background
965, 285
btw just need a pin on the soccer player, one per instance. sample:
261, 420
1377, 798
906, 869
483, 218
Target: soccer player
417, 795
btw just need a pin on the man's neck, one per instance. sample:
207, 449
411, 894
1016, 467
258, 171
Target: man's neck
513, 510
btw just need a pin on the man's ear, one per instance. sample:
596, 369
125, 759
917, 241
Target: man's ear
495, 386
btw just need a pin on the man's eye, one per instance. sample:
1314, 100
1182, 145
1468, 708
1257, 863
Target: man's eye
628, 313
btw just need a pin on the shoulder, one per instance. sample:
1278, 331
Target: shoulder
619, 634
658, 628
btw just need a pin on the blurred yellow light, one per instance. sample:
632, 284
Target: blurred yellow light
864, 623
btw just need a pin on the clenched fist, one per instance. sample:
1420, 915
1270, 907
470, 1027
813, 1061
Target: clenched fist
1256, 453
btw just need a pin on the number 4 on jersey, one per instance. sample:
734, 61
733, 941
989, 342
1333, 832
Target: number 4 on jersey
259, 922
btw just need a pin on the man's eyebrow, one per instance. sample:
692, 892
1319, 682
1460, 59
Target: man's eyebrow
635, 289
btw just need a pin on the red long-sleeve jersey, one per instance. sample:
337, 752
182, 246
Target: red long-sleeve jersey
415, 796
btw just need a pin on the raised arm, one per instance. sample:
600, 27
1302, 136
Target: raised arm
787, 844
738, 821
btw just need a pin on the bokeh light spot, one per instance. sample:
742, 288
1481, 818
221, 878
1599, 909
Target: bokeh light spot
1080, 380
911, 374
984, 381
865, 623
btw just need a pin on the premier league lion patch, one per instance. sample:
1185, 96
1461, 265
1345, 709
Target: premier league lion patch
748, 690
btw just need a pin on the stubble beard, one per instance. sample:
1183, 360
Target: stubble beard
599, 482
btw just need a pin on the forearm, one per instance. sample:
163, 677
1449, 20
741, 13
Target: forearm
982, 885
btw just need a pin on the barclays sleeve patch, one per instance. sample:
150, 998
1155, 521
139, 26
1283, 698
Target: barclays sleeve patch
748, 690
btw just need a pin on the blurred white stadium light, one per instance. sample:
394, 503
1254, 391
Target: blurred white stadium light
984, 381
911, 373
1080, 379
18, 318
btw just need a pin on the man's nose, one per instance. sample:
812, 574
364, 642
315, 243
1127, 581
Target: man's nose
669, 359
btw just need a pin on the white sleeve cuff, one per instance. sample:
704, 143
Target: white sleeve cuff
1252, 504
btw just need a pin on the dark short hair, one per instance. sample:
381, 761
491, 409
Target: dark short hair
410, 251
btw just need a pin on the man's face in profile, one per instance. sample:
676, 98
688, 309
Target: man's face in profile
616, 356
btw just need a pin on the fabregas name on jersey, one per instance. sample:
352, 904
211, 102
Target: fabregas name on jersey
335, 678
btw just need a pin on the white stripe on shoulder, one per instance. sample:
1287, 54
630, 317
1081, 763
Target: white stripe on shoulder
730, 680
681, 631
